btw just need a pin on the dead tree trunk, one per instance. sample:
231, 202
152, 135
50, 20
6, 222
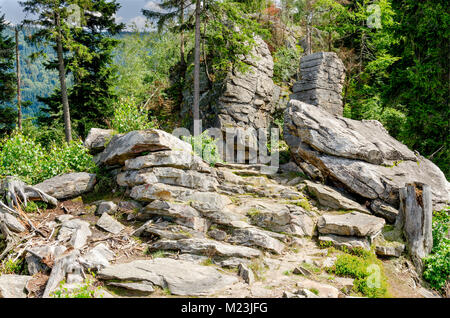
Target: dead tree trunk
414, 219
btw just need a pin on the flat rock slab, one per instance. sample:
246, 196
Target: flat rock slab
109, 224
257, 238
131, 145
13, 286
331, 198
143, 287
349, 242
206, 247
394, 249
350, 224
68, 186
74, 231
180, 277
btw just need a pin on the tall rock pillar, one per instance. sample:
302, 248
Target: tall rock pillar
322, 80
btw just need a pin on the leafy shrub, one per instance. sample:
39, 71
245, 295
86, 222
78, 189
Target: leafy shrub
286, 63
367, 271
11, 266
23, 157
85, 290
128, 117
205, 147
437, 264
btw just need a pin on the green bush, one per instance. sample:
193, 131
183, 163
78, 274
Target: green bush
205, 147
128, 117
367, 271
286, 63
437, 264
23, 157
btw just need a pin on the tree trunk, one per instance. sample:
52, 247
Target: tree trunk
196, 111
415, 220
182, 54
19, 97
62, 80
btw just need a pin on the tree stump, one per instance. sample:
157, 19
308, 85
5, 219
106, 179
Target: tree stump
415, 221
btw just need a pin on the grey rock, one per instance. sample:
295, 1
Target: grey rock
34, 257
97, 258
331, 198
218, 235
109, 224
168, 231
74, 231
350, 224
68, 186
13, 286
206, 247
175, 158
12, 223
160, 191
359, 154
131, 145
108, 207
323, 76
97, 139
384, 210
258, 238
63, 265
299, 270
143, 287
180, 277
392, 249
349, 242
246, 274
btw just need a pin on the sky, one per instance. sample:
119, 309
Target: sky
129, 13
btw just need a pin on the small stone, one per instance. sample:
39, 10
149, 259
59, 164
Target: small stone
109, 224
299, 270
218, 235
107, 207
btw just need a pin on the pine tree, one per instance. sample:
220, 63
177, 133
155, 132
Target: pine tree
7, 79
52, 21
92, 95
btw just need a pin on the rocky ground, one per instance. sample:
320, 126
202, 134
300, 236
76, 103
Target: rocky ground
174, 226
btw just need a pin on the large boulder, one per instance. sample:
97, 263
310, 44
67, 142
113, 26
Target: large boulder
350, 224
13, 286
179, 277
360, 155
133, 144
68, 186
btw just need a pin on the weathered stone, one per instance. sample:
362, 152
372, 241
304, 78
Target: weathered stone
131, 145
218, 235
345, 282
143, 287
306, 293
208, 201
256, 237
331, 198
358, 154
175, 158
108, 207
206, 247
394, 249
180, 277
168, 231
97, 139
97, 258
349, 242
384, 210
13, 286
136, 177
63, 265
350, 224
74, 231
299, 270
324, 290
246, 274
36, 254
160, 191
109, 224
180, 213
323, 75
69, 185
12, 223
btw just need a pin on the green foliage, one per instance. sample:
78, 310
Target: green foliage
128, 117
10, 266
437, 264
286, 63
84, 290
27, 159
205, 147
367, 271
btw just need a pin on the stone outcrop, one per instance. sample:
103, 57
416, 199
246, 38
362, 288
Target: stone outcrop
360, 155
350, 224
69, 185
322, 80
97, 139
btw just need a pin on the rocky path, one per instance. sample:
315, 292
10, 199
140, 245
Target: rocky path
178, 227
